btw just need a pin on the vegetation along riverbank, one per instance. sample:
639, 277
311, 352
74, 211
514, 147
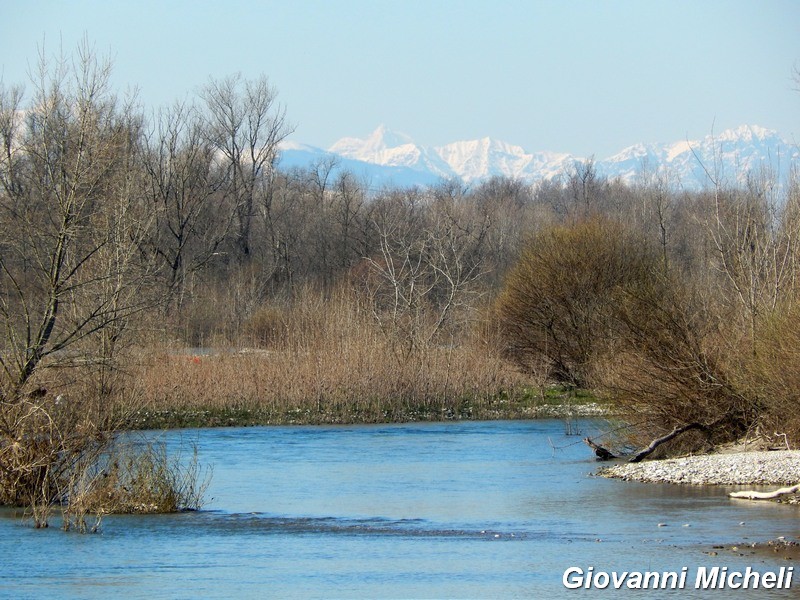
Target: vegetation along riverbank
127, 236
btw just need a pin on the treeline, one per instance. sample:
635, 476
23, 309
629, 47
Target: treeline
681, 308
125, 228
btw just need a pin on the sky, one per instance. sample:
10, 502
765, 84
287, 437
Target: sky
579, 76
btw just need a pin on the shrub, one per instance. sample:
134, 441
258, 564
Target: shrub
134, 479
773, 373
557, 304
595, 303
60, 451
673, 366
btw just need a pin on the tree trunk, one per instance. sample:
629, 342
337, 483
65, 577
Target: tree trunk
751, 495
642, 454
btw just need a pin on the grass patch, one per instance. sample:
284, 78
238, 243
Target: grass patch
134, 478
524, 402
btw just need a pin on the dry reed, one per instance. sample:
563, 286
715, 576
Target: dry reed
324, 361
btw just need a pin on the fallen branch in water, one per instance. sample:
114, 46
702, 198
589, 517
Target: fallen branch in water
664, 438
751, 495
602, 453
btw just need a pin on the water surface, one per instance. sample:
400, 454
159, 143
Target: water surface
465, 509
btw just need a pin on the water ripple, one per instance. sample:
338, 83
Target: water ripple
264, 524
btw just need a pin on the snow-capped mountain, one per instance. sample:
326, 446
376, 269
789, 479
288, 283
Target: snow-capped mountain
392, 149
302, 156
391, 158
728, 158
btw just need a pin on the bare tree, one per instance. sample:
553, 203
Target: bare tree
245, 127
425, 271
70, 270
182, 191
69, 218
585, 186
349, 198
752, 251
657, 206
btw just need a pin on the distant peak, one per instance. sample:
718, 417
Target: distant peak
478, 158
382, 138
746, 132
387, 138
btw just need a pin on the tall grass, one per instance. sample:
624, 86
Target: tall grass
59, 452
325, 360
134, 478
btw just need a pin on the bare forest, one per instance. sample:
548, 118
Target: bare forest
157, 268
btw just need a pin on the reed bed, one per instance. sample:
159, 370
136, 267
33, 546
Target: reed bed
339, 385
328, 361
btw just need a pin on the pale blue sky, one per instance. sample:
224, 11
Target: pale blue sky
587, 77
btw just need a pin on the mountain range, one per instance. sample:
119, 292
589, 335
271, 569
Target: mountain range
388, 158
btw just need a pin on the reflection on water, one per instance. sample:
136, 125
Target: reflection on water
421, 510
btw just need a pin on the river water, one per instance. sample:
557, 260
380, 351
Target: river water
457, 510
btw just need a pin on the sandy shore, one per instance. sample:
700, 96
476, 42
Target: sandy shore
764, 468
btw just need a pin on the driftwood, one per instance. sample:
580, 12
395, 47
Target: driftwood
751, 495
602, 453
663, 439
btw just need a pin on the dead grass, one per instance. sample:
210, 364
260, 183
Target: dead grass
59, 451
134, 478
340, 384
323, 360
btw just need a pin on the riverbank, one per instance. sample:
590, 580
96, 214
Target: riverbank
779, 548
567, 406
756, 468
338, 385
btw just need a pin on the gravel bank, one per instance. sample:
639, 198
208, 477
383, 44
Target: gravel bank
740, 468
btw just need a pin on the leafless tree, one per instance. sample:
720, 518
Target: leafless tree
427, 265
245, 127
70, 221
183, 193
752, 251
584, 185
657, 206
71, 274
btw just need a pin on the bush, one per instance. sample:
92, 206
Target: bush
773, 373
59, 451
673, 366
595, 303
134, 479
557, 304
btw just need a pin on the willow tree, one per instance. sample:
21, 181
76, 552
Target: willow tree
556, 310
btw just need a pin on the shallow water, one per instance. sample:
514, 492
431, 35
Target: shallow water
467, 509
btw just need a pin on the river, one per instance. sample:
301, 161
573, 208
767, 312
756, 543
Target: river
458, 510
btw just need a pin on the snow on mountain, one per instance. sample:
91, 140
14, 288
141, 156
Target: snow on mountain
390, 157
728, 158
301, 156
486, 157
373, 146
470, 161
390, 148
479, 159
